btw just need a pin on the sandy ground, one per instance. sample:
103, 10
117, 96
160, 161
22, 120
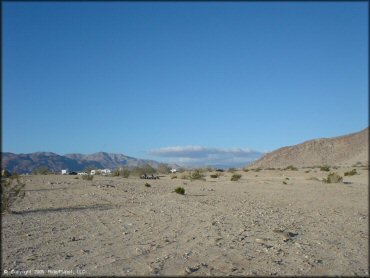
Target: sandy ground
254, 226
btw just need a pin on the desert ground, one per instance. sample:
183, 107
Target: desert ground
256, 226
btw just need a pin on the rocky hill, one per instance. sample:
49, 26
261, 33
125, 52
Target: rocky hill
25, 163
341, 151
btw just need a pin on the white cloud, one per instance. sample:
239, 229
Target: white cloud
203, 156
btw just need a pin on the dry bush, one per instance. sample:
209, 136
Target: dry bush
12, 189
235, 177
87, 177
351, 173
196, 175
325, 168
333, 178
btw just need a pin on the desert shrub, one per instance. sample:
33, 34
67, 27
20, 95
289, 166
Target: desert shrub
287, 178
270, 168
180, 190
146, 169
246, 170
231, 170
215, 176
235, 177
5, 174
115, 173
124, 173
291, 167
147, 185
284, 182
307, 171
196, 175
333, 178
12, 189
87, 177
76, 178
325, 168
173, 177
41, 171
351, 173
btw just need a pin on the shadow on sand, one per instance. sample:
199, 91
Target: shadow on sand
65, 209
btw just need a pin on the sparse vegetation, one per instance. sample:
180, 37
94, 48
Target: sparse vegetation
146, 169
270, 168
291, 168
307, 171
325, 168
231, 170
173, 177
196, 175
333, 178
284, 182
41, 171
163, 168
180, 190
351, 173
88, 177
76, 178
246, 170
147, 185
12, 189
235, 177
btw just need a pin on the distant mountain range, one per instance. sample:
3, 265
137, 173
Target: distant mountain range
25, 163
344, 150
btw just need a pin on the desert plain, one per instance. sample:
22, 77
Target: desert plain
270, 222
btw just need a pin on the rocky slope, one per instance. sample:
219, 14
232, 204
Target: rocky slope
343, 150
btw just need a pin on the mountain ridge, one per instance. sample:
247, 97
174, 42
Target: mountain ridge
26, 162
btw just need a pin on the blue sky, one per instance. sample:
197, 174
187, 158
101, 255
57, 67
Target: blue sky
174, 81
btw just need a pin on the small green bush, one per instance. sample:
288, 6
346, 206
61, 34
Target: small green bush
235, 177
88, 177
351, 173
173, 177
147, 185
180, 190
325, 168
215, 176
284, 182
246, 170
231, 170
333, 178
